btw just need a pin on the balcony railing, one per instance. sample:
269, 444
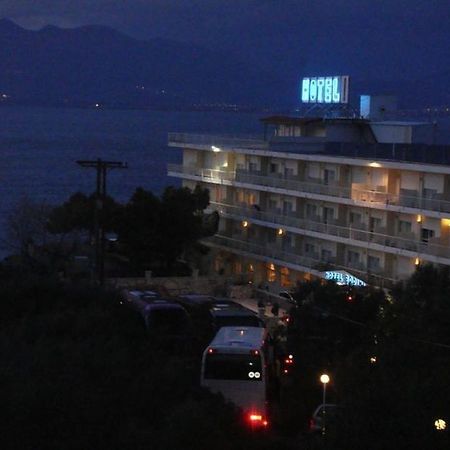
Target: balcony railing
419, 153
362, 237
316, 265
226, 141
355, 193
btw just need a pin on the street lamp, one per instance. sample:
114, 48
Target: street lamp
324, 379
440, 424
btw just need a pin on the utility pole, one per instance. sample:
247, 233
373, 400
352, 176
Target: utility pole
101, 168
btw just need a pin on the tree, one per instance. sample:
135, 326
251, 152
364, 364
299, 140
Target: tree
138, 228
154, 233
78, 214
395, 399
26, 227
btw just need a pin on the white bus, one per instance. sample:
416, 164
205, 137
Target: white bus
236, 364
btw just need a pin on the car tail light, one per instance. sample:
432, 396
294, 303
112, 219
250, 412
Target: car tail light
257, 420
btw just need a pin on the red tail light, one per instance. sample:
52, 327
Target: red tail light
257, 420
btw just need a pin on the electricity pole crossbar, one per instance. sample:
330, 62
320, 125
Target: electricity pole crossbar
100, 195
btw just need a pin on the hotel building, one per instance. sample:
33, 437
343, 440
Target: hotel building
315, 196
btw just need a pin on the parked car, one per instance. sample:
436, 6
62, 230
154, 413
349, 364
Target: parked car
288, 296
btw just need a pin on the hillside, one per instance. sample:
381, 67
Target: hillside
96, 64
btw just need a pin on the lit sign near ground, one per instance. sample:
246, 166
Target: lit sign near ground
342, 277
325, 89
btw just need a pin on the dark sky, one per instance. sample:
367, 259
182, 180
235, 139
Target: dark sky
373, 38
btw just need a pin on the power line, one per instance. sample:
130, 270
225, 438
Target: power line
101, 168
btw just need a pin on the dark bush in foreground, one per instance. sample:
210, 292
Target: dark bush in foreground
79, 372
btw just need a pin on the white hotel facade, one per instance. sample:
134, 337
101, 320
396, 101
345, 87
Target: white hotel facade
313, 195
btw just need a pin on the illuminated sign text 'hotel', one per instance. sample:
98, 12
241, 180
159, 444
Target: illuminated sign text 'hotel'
325, 89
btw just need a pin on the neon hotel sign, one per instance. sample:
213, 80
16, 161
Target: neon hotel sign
342, 277
325, 89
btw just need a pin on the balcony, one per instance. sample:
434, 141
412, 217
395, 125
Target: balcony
435, 248
416, 153
292, 184
298, 262
220, 141
357, 193
215, 176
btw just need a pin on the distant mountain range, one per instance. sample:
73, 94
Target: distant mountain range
97, 65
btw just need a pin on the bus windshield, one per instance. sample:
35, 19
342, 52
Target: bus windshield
233, 366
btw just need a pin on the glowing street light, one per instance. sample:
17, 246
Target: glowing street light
324, 379
440, 424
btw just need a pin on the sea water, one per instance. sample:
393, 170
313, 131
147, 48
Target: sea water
40, 147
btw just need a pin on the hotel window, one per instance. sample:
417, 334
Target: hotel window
313, 171
329, 176
352, 257
285, 282
271, 273
429, 193
309, 248
426, 234
375, 223
288, 172
273, 204
328, 214
287, 207
271, 236
311, 211
288, 242
355, 218
373, 262
252, 167
273, 168
404, 226
326, 255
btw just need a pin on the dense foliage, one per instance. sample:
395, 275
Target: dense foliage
153, 233
79, 372
388, 355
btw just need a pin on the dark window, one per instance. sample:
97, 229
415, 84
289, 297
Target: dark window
426, 234
226, 366
240, 321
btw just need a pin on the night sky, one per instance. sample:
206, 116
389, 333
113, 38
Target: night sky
384, 39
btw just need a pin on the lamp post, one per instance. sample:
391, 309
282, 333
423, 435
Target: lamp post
324, 379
